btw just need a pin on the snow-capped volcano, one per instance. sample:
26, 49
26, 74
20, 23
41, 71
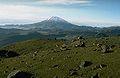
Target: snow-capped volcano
57, 19
53, 23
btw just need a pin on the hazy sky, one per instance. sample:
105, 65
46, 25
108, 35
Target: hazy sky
81, 12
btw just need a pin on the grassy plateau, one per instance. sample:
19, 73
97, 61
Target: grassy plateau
46, 59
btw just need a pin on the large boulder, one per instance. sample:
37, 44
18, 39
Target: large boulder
19, 74
7, 54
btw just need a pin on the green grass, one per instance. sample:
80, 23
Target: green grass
49, 55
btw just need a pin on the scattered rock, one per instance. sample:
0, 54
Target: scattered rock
72, 73
63, 47
57, 45
102, 65
49, 68
52, 58
41, 61
34, 55
82, 44
73, 40
95, 50
19, 74
77, 39
54, 50
26, 63
79, 44
99, 66
93, 44
42, 56
80, 38
36, 52
5, 72
85, 64
55, 66
68, 56
14, 68
99, 45
112, 46
104, 48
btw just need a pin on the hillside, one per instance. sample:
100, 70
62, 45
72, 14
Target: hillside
63, 58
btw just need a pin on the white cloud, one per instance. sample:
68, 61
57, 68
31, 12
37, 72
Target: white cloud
12, 13
27, 14
64, 2
44, 2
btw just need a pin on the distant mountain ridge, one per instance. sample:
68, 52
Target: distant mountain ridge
52, 28
54, 23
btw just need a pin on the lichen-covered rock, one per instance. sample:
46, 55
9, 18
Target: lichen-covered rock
104, 48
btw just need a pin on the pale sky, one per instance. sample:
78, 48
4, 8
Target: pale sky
80, 12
